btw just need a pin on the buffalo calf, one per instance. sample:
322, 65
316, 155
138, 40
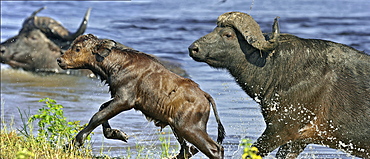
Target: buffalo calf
310, 90
138, 81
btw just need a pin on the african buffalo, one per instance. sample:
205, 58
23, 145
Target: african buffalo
42, 40
309, 90
138, 81
39, 43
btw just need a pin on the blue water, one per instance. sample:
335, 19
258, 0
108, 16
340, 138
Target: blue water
166, 28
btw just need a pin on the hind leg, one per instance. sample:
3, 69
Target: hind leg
185, 150
110, 133
201, 140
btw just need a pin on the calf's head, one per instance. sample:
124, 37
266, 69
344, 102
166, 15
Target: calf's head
86, 50
236, 36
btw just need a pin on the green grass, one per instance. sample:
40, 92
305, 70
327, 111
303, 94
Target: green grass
15, 145
54, 132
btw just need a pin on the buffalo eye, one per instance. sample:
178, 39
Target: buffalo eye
228, 35
77, 49
33, 38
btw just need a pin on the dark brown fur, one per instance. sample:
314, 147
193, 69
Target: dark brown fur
310, 91
138, 81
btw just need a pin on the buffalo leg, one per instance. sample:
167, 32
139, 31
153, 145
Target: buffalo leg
200, 139
112, 109
185, 150
273, 137
110, 133
290, 150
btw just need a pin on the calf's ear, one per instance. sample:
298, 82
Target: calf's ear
104, 47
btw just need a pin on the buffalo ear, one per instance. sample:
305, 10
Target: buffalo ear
104, 47
257, 57
253, 55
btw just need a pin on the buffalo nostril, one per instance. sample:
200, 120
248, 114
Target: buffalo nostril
193, 48
59, 60
2, 50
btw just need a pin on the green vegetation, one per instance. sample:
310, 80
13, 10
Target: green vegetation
53, 134
53, 125
165, 145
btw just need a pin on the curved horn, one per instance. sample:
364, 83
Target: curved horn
275, 30
249, 28
52, 28
29, 23
37, 11
82, 27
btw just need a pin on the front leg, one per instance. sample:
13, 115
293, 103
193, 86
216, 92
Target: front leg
110, 110
273, 137
110, 133
290, 150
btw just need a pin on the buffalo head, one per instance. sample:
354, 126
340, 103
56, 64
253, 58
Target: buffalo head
31, 51
235, 31
39, 43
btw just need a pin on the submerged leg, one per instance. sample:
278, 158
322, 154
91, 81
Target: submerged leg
271, 139
290, 150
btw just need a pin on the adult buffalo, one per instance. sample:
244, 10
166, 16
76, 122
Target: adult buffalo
310, 90
39, 43
42, 40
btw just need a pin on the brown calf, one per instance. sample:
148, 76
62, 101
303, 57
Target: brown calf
139, 81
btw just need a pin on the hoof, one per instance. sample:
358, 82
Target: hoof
121, 135
116, 134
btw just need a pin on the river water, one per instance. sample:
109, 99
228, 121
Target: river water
166, 28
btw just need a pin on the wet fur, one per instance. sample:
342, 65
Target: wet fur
138, 81
310, 90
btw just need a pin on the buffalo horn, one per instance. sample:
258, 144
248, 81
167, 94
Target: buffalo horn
81, 29
52, 28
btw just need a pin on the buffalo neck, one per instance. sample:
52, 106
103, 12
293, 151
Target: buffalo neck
122, 68
116, 63
254, 80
